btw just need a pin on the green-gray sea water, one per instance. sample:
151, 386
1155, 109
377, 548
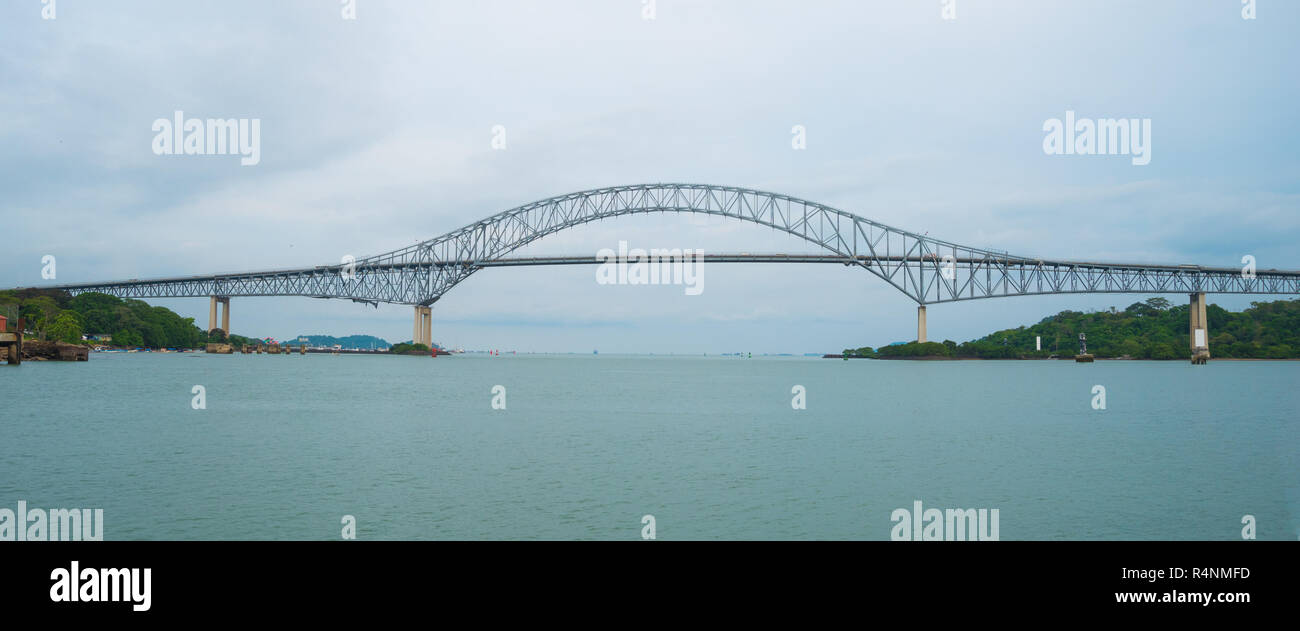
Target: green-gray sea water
712, 447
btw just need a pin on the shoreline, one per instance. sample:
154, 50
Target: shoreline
941, 358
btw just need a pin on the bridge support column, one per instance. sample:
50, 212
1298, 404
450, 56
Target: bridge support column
920, 324
423, 331
1199, 329
225, 314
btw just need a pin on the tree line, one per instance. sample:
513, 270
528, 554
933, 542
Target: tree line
57, 316
1152, 329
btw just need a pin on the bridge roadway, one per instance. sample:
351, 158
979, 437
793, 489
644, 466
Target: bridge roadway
1070, 276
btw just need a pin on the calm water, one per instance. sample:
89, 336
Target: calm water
710, 446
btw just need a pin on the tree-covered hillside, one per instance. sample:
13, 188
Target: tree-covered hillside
350, 341
55, 315
1152, 329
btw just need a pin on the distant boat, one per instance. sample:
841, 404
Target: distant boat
595, 352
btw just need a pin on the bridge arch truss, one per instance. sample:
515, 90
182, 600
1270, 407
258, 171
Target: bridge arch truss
926, 269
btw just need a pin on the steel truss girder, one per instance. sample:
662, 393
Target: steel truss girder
926, 269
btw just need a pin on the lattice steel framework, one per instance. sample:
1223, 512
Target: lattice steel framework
926, 269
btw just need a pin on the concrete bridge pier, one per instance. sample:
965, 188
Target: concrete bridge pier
920, 324
1199, 329
423, 331
224, 301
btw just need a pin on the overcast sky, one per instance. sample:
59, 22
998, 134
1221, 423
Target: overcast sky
376, 133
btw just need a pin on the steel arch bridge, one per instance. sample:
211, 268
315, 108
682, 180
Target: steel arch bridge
925, 269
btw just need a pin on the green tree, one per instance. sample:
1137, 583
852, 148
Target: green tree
405, 347
127, 338
91, 301
66, 328
40, 312
1130, 347
1158, 303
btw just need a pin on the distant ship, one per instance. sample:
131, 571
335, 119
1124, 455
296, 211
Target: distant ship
595, 352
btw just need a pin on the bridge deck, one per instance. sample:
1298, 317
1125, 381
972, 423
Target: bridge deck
274, 282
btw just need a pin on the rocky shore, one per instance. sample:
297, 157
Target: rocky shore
35, 350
